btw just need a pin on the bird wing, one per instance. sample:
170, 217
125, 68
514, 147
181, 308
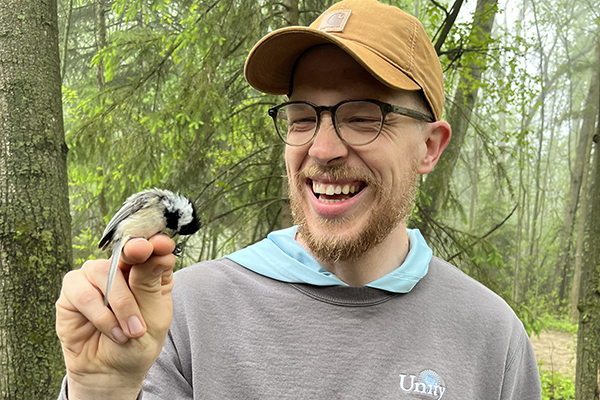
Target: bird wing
132, 205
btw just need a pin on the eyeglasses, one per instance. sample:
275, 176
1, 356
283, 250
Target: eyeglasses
356, 122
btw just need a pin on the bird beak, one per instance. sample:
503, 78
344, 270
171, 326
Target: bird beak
173, 234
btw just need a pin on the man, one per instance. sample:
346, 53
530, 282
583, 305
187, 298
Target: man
348, 304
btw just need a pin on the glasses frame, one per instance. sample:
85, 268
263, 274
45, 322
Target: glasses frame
385, 108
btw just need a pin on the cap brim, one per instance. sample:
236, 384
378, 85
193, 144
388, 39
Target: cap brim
270, 63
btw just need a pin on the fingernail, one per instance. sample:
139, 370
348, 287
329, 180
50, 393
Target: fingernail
135, 326
118, 335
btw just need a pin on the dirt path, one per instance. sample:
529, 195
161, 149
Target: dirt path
556, 350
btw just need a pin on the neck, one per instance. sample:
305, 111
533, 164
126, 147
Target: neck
373, 264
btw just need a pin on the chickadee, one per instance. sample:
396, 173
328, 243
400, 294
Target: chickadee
145, 214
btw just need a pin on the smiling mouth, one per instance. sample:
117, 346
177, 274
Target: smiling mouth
333, 193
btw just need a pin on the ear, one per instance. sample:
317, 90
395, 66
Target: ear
437, 137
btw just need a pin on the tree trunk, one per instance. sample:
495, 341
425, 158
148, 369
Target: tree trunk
587, 379
66, 40
592, 108
581, 229
585, 136
588, 335
291, 17
291, 13
436, 186
474, 177
520, 212
100, 42
35, 232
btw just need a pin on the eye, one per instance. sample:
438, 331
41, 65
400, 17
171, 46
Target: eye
359, 115
364, 124
301, 129
300, 118
363, 120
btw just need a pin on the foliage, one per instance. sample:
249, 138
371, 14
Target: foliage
556, 386
560, 325
173, 110
550, 319
516, 160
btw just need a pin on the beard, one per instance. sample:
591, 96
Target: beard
387, 211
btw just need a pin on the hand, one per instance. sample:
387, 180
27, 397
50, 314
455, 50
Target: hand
108, 353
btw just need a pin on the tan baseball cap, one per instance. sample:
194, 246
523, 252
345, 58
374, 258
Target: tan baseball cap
390, 43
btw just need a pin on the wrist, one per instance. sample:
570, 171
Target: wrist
102, 388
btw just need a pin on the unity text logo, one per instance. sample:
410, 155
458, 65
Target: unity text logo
427, 383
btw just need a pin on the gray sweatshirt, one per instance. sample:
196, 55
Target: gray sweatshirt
240, 335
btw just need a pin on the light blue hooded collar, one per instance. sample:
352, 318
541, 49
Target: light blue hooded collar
280, 257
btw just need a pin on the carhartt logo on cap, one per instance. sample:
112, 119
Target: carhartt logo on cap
334, 21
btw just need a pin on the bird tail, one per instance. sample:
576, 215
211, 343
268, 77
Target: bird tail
114, 263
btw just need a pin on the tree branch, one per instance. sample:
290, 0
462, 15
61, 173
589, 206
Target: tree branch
490, 231
448, 23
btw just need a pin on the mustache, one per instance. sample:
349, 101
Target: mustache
336, 172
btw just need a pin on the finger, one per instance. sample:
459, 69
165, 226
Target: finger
125, 308
124, 304
162, 244
145, 280
136, 251
80, 310
151, 284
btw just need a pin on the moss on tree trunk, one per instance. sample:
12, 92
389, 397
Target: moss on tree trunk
35, 238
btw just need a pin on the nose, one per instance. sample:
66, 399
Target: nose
327, 147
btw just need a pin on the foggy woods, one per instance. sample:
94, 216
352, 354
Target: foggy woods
153, 94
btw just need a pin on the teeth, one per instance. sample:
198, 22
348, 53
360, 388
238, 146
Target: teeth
330, 190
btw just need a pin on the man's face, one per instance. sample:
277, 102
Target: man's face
377, 181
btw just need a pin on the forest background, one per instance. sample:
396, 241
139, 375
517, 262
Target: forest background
153, 94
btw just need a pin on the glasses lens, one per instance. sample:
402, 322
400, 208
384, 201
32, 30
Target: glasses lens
359, 122
296, 123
